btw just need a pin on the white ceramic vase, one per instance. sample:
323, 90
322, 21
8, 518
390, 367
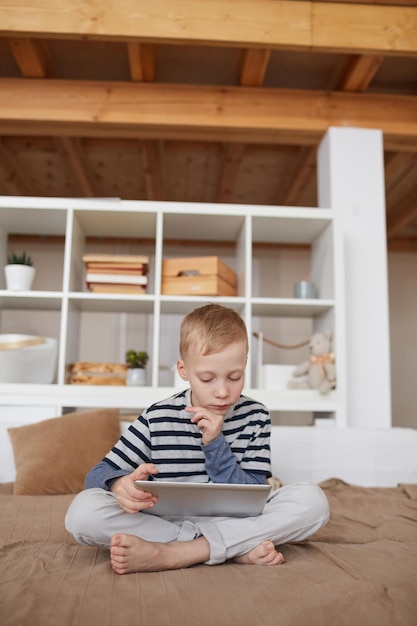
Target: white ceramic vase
136, 376
19, 277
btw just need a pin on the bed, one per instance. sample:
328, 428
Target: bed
359, 569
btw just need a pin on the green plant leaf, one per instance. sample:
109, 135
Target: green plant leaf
137, 359
19, 259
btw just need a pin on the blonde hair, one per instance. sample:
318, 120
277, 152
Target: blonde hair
210, 328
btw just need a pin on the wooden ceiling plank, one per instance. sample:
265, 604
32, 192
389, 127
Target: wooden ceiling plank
31, 56
13, 181
8, 185
72, 151
402, 244
152, 165
90, 108
233, 154
405, 213
397, 166
300, 24
254, 65
141, 61
304, 173
360, 71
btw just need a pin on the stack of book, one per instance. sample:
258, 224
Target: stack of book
116, 273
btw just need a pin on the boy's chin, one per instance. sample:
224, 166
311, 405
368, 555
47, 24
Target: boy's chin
219, 410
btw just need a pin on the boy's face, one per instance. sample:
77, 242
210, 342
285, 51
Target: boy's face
216, 380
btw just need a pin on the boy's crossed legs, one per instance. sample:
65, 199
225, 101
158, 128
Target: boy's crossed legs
292, 513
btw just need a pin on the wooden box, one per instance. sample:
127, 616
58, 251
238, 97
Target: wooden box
198, 276
85, 373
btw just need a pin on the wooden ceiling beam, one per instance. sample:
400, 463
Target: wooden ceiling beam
299, 24
254, 65
31, 56
360, 72
349, 27
141, 61
145, 110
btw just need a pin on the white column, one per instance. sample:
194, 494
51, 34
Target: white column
350, 164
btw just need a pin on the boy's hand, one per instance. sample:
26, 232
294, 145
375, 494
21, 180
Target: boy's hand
131, 499
209, 423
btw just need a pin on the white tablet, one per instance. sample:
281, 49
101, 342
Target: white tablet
205, 499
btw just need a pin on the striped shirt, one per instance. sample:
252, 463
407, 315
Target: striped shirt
164, 435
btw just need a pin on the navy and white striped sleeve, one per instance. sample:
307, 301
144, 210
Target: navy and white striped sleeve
241, 454
133, 447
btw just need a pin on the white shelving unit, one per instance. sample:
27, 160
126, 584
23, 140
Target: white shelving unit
160, 224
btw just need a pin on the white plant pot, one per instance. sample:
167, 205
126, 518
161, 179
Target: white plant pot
19, 277
136, 376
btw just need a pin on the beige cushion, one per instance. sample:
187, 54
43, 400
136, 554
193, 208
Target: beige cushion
54, 456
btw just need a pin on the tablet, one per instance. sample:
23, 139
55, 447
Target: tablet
205, 499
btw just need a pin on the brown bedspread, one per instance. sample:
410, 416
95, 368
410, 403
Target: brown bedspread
361, 569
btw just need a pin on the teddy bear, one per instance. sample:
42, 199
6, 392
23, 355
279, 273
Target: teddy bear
319, 369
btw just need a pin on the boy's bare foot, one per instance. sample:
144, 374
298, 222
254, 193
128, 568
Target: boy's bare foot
264, 553
130, 554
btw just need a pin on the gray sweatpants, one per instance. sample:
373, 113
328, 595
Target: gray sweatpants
292, 513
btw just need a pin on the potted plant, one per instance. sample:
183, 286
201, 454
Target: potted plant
136, 362
19, 272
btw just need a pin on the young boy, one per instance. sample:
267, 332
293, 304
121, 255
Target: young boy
210, 432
